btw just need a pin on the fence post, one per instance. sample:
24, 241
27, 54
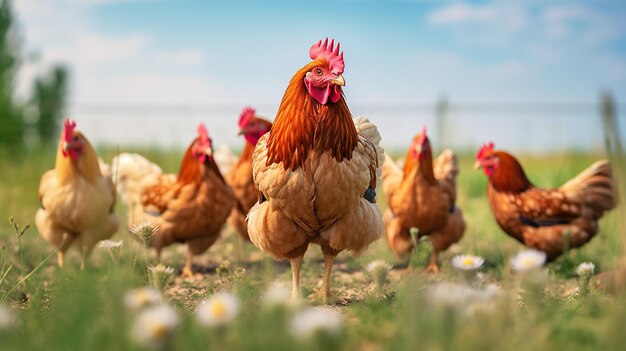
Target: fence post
609, 120
441, 114
613, 143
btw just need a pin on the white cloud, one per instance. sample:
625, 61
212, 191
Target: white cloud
458, 13
181, 57
564, 13
466, 79
131, 67
502, 16
147, 88
583, 23
93, 49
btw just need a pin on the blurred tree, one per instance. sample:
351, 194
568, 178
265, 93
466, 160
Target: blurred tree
49, 96
11, 123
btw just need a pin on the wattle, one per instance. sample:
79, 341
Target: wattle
321, 95
253, 138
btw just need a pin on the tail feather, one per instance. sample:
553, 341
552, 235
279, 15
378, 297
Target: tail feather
132, 173
392, 175
225, 158
446, 165
105, 169
369, 130
595, 186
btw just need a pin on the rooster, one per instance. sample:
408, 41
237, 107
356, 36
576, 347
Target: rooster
542, 218
77, 201
190, 207
240, 176
422, 196
316, 171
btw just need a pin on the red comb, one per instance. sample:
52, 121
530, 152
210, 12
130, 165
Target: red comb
68, 129
484, 149
329, 52
246, 114
203, 134
422, 136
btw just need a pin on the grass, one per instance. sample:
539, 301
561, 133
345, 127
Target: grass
73, 309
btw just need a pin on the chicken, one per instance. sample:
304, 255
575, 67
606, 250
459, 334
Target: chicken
224, 158
542, 218
422, 196
316, 172
190, 207
77, 201
240, 176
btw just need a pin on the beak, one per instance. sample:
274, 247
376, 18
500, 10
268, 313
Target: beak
241, 131
477, 165
208, 151
418, 149
66, 146
339, 81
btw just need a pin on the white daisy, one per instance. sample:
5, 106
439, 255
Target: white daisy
161, 269
160, 275
110, 244
277, 294
154, 328
467, 262
313, 320
451, 294
585, 269
7, 318
464, 299
144, 231
528, 260
143, 297
218, 309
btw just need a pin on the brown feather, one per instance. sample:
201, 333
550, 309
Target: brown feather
541, 218
294, 132
422, 200
509, 176
425, 165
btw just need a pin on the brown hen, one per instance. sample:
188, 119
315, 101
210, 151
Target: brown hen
190, 207
422, 196
316, 171
240, 176
543, 218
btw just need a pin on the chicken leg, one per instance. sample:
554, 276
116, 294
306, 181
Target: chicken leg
83, 257
187, 271
68, 239
442, 239
328, 267
433, 262
196, 247
60, 258
158, 255
296, 264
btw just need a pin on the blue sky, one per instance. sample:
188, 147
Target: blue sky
397, 53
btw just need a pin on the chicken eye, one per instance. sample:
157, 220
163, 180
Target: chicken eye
75, 138
318, 71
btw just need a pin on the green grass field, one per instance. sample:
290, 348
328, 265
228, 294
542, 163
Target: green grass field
71, 309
